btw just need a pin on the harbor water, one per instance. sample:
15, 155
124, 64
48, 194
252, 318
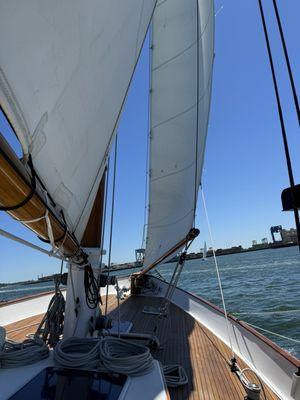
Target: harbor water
261, 288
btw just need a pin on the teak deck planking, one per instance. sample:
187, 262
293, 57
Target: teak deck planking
183, 340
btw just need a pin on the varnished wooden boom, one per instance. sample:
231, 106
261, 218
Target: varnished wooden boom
15, 185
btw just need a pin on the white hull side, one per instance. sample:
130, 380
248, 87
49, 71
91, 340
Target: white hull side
269, 361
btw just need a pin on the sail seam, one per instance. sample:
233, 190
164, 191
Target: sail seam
188, 109
174, 57
175, 116
174, 222
160, 3
188, 47
173, 173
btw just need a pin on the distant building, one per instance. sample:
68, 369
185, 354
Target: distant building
264, 240
284, 236
289, 236
254, 243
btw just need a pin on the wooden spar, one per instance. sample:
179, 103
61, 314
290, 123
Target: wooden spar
193, 233
15, 186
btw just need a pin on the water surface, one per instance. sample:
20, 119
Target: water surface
261, 287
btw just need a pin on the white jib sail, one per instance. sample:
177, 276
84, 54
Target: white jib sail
182, 62
65, 68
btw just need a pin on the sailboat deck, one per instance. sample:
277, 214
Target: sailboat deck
183, 340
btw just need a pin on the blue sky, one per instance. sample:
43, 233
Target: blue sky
244, 171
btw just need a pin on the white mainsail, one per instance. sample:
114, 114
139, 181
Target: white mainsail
65, 68
182, 63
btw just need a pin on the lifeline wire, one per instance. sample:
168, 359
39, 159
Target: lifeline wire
273, 333
217, 270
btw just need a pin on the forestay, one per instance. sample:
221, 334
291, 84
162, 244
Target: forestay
182, 62
65, 70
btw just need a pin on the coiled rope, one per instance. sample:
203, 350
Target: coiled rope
13, 354
51, 327
121, 356
175, 375
107, 354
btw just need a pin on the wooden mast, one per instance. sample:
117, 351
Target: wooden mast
15, 188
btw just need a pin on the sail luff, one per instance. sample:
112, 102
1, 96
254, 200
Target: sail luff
182, 59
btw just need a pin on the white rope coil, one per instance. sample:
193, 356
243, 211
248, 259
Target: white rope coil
105, 354
14, 354
77, 353
121, 356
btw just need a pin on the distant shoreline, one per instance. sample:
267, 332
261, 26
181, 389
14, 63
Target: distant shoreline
234, 250
190, 256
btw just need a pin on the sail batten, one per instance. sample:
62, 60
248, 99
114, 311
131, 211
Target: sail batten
65, 73
181, 72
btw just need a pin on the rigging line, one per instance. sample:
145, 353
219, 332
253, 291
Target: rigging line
17, 239
60, 272
273, 333
148, 139
287, 60
197, 115
266, 312
111, 218
217, 270
283, 131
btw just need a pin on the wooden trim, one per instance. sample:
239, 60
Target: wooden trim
293, 360
26, 298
